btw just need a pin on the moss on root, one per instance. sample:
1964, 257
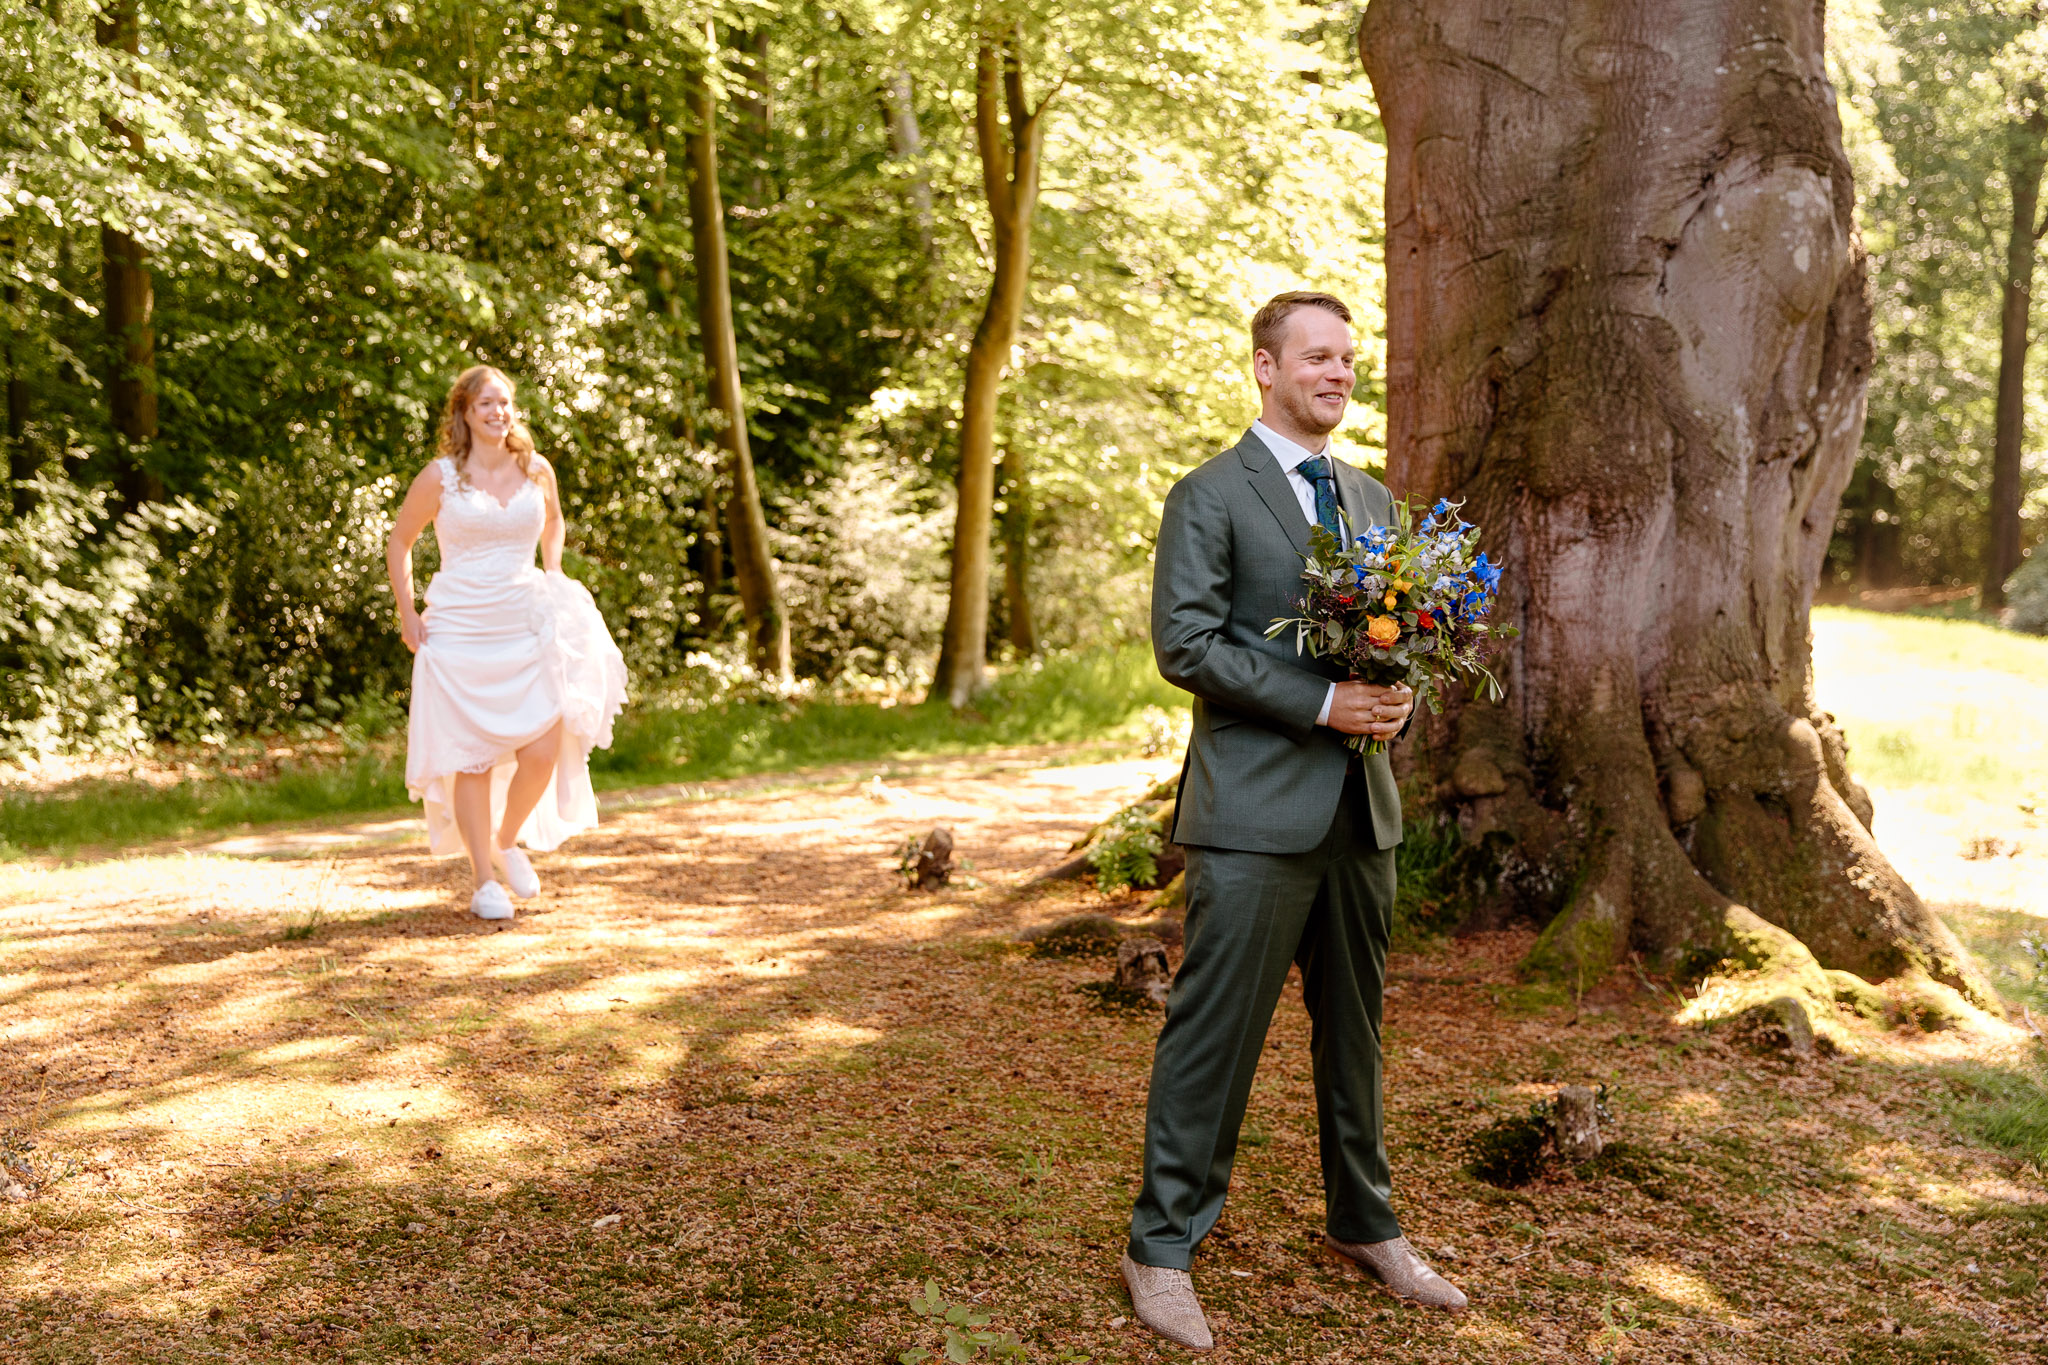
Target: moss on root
1772, 990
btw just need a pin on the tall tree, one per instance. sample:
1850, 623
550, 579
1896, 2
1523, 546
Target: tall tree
1015, 524
2020, 65
1939, 103
129, 300
746, 523
1009, 135
21, 458
1627, 325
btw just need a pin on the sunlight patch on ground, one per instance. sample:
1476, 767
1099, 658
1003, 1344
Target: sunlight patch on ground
600, 996
1974, 851
1947, 724
1674, 1284
1697, 1104
819, 1037
1492, 1335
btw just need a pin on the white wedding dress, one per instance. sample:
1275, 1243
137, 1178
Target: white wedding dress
509, 650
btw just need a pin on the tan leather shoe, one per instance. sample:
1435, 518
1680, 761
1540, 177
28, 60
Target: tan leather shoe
1395, 1264
1165, 1301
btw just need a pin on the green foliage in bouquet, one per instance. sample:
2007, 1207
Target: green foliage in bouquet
1405, 603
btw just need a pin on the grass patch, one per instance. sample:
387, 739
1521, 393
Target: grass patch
1977, 727
2013, 947
1060, 699
1928, 641
2008, 1109
114, 811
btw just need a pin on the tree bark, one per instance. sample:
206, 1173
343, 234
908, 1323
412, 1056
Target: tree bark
1009, 178
757, 105
1016, 537
1627, 324
22, 459
906, 144
129, 302
2002, 530
746, 524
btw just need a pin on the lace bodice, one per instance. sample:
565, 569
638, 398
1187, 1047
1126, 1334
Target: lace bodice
480, 537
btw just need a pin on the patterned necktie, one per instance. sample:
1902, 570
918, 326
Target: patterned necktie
1316, 469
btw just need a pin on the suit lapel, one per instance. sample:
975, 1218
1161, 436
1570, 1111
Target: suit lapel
1270, 482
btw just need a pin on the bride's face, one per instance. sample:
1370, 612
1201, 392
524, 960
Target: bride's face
490, 412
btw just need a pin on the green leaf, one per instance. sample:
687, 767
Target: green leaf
958, 1348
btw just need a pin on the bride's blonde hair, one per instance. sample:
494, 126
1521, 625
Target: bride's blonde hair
454, 442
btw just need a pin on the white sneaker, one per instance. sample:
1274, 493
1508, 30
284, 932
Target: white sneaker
519, 872
490, 902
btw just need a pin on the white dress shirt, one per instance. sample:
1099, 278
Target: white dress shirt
1290, 457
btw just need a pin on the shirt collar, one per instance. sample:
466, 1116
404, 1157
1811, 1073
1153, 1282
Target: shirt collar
1285, 451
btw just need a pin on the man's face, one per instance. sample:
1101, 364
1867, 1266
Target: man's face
1311, 379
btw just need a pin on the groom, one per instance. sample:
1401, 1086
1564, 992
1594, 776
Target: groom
1290, 836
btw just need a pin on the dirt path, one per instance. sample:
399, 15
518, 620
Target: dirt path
726, 1093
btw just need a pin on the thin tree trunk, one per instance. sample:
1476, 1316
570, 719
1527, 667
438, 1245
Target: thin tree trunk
129, 302
753, 567
1016, 537
22, 461
2002, 538
1627, 324
1009, 178
757, 104
906, 144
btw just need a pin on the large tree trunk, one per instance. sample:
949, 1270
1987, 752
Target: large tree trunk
2002, 538
128, 304
1627, 323
1009, 177
746, 524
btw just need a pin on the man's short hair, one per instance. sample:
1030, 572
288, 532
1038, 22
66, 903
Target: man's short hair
1269, 324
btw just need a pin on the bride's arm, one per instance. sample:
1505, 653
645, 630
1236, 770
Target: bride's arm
553, 533
422, 500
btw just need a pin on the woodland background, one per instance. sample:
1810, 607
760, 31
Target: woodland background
328, 211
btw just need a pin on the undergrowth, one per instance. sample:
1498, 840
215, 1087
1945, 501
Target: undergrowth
1057, 699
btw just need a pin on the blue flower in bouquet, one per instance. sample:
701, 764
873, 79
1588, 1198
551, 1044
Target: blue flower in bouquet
1405, 602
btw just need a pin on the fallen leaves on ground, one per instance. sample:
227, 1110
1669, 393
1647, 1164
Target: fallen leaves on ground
727, 1092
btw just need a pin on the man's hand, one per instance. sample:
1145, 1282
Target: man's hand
1371, 710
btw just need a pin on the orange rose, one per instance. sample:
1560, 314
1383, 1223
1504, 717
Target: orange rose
1382, 630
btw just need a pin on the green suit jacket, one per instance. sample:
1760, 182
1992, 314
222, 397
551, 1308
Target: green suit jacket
1260, 774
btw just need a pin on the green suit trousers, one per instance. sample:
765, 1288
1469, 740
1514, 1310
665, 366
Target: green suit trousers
1250, 915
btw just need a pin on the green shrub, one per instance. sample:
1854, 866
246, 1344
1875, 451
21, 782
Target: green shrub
1128, 852
71, 576
2026, 595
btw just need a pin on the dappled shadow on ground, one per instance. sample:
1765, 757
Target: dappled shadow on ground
308, 1110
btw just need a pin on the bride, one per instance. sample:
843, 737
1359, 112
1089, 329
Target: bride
514, 676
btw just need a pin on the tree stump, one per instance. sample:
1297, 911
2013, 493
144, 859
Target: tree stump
1141, 968
933, 865
1575, 1123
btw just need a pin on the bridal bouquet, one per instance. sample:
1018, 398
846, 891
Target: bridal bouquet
1401, 604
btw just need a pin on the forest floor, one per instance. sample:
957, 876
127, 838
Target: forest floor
726, 1092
